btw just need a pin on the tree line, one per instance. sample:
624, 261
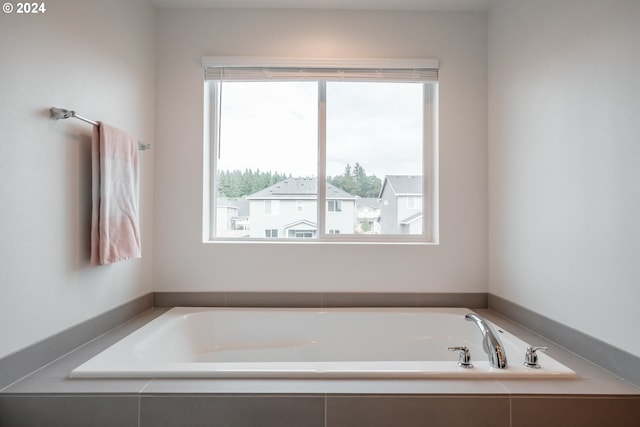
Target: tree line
356, 181
237, 184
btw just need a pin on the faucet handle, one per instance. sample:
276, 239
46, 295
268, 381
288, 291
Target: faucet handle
531, 357
464, 360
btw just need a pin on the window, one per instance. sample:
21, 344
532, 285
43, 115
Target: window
355, 136
271, 207
271, 233
334, 205
414, 202
303, 234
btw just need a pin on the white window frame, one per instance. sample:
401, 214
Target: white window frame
430, 208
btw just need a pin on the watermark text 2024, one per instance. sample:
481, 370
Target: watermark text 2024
24, 8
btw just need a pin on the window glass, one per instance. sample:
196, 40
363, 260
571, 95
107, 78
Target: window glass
374, 137
274, 139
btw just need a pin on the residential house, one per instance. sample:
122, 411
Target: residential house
401, 204
368, 215
232, 217
288, 209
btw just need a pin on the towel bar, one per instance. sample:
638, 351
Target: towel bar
61, 113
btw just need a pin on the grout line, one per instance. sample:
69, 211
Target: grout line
19, 379
145, 386
140, 401
325, 410
505, 388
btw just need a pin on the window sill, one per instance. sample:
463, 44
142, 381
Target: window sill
284, 241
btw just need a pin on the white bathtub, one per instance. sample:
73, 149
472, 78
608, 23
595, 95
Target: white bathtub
310, 343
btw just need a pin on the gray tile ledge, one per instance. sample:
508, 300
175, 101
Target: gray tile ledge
23, 362
327, 387
618, 362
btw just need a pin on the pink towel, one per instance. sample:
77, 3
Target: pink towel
115, 234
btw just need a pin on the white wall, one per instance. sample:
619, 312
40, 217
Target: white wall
564, 152
96, 57
184, 263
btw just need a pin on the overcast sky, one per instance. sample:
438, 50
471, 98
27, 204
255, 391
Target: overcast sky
273, 127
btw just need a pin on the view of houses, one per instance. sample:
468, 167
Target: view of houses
288, 209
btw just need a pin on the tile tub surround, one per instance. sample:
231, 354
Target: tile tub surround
48, 397
23, 362
619, 362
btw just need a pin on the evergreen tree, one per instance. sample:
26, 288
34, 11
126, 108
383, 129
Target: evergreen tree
355, 181
237, 184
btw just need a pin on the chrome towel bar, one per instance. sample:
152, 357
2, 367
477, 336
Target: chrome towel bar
61, 113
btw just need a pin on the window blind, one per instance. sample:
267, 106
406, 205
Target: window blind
263, 69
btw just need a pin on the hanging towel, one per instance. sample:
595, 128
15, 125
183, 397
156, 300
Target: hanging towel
115, 234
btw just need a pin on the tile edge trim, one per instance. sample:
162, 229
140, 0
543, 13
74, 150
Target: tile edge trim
615, 360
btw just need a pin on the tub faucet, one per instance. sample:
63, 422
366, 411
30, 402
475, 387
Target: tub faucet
490, 342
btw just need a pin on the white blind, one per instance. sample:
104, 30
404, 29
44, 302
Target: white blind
261, 69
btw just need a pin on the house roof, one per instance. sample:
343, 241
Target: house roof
403, 185
299, 188
242, 205
412, 218
372, 202
306, 222
223, 202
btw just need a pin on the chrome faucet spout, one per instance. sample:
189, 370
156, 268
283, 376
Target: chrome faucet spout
490, 342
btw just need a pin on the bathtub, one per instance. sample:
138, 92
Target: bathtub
310, 343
